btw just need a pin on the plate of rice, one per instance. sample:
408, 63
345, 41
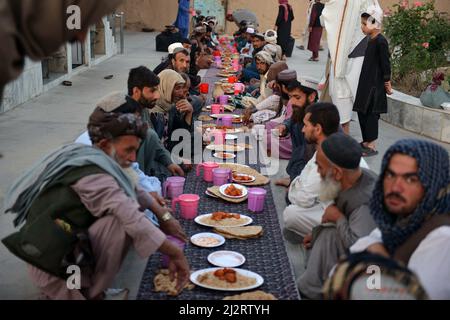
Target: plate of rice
223, 219
227, 279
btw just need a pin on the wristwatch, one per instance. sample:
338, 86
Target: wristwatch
166, 216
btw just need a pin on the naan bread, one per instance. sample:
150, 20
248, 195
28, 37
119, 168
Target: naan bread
247, 232
162, 283
254, 295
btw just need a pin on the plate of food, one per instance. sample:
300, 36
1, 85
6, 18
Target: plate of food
207, 240
225, 148
216, 116
233, 191
226, 259
238, 120
227, 279
223, 219
243, 178
224, 155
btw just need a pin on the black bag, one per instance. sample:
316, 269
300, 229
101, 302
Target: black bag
290, 47
166, 38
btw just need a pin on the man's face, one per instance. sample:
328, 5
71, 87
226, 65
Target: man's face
178, 92
257, 43
402, 188
148, 96
309, 130
123, 150
261, 66
329, 185
181, 62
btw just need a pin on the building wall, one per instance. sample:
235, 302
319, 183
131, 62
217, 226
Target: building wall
158, 13
31, 83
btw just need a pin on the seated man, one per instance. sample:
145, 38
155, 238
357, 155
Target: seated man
272, 46
251, 72
411, 206
263, 64
344, 222
300, 98
167, 61
247, 49
81, 209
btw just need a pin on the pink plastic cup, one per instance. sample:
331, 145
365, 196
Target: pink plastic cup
188, 205
226, 120
165, 259
217, 109
239, 87
207, 170
256, 199
219, 136
173, 187
221, 176
223, 100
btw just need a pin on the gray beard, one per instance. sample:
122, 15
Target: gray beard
329, 189
134, 177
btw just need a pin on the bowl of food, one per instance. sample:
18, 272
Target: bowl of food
234, 191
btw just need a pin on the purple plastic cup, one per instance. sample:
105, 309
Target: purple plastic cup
223, 100
221, 176
173, 187
256, 199
165, 258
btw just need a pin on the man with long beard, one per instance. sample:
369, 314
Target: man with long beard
344, 222
300, 98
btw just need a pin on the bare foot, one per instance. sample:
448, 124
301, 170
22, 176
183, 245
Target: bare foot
284, 182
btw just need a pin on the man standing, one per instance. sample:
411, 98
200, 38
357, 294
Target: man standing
182, 22
341, 19
315, 30
80, 208
345, 221
411, 207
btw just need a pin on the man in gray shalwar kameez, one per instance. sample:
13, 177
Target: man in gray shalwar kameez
344, 222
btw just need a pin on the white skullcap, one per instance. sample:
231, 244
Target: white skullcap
250, 30
173, 46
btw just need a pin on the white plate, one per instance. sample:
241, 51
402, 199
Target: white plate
247, 273
245, 222
230, 137
215, 116
243, 174
226, 259
229, 148
231, 156
244, 190
216, 236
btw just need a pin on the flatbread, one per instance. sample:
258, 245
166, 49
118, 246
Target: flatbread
162, 283
247, 232
204, 117
254, 295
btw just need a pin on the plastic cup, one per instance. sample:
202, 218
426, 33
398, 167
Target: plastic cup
207, 170
223, 100
204, 88
219, 137
188, 205
221, 176
165, 259
173, 187
256, 199
226, 120
232, 79
217, 109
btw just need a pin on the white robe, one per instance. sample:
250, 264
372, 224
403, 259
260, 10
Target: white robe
341, 19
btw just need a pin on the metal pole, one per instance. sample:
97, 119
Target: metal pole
122, 37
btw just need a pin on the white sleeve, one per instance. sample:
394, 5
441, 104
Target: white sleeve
431, 263
365, 242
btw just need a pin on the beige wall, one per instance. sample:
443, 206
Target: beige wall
158, 13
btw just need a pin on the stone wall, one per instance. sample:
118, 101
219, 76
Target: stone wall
158, 13
407, 112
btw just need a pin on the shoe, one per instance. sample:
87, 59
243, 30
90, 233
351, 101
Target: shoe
369, 152
116, 294
301, 47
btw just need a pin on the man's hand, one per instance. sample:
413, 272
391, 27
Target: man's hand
178, 265
321, 86
158, 198
247, 115
307, 241
184, 106
332, 214
388, 88
175, 170
281, 129
173, 227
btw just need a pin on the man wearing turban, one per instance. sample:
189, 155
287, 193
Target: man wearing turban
78, 207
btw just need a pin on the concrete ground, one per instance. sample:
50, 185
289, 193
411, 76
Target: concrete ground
60, 115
